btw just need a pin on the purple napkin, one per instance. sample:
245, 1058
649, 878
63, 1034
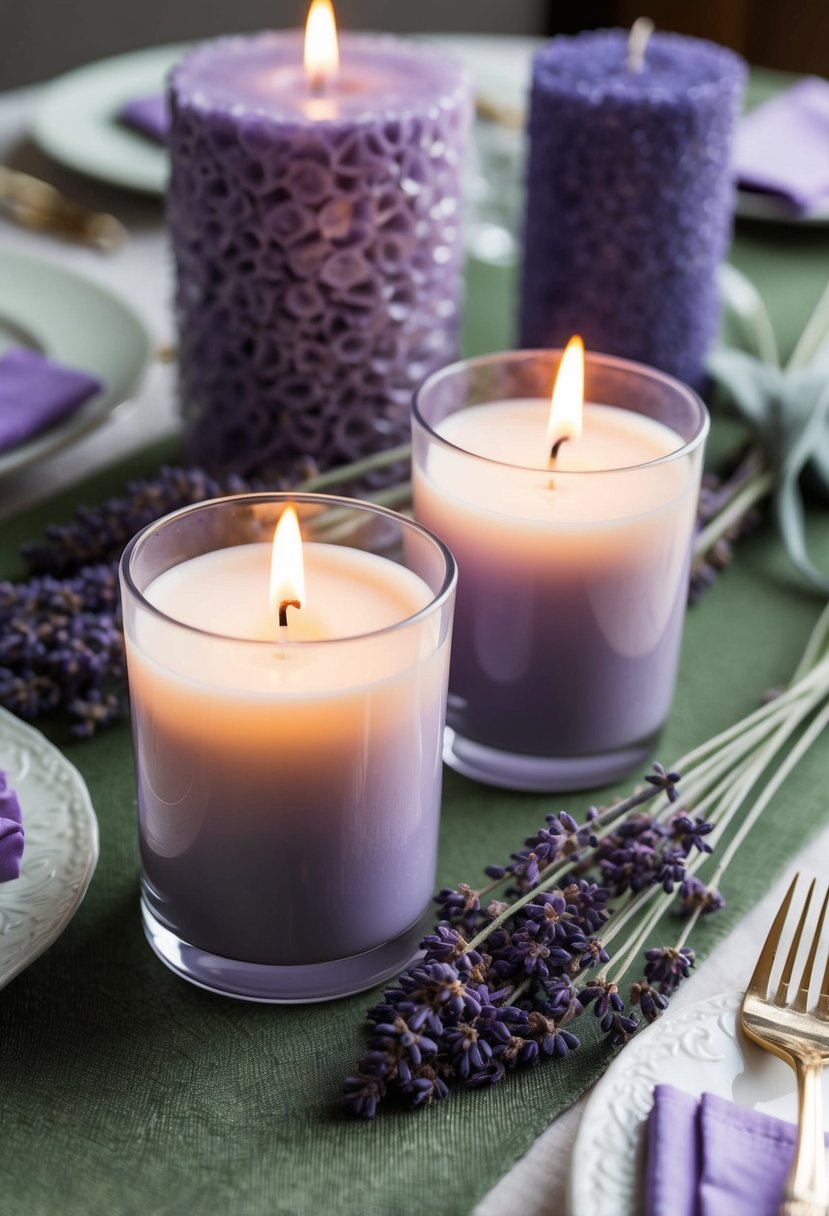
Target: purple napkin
782, 146
35, 392
11, 832
149, 115
708, 1157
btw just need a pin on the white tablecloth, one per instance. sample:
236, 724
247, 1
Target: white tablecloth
537, 1185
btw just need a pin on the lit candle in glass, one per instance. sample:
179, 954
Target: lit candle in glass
572, 540
288, 704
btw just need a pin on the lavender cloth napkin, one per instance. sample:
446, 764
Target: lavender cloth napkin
782, 146
35, 392
11, 832
708, 1157
149, 115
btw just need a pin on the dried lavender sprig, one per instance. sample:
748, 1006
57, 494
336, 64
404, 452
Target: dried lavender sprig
728, 812
99, 533
484, 1013
539, 963
812, 671
554, 872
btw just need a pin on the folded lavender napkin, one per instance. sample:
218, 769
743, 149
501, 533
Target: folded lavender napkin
35, 392
11, 832
782, 146
707, 1157
149, 115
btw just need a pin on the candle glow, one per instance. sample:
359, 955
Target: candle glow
287, 565
322, 55
567, 404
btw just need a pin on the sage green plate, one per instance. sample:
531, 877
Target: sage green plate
80, 324
77, 121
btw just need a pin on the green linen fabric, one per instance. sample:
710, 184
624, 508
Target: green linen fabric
125, 1090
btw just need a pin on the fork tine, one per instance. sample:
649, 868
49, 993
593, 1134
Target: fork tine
801, 1000
782, 996
823, 1003
759, 982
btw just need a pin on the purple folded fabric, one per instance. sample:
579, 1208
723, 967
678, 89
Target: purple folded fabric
708, 1157
11, 832
35, 392
782, 146
149, 115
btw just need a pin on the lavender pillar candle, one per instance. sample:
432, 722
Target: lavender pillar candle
288, 771
572, 580
629, 196
317, 245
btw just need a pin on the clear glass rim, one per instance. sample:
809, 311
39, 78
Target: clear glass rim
687, 447
437, 602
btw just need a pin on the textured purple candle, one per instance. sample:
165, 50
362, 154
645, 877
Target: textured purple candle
317, 245
629, 197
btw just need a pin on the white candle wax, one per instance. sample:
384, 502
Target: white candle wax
348, 592
513, 433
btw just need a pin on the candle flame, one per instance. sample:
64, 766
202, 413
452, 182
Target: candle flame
287, 566
567, 405
322, 55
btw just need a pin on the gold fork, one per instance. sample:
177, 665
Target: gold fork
800, 1037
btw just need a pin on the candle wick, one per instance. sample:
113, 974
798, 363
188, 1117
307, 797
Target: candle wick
284, 605
556, 448
317, 83
638, 39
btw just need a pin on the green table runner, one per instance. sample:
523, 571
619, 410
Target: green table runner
125, 1090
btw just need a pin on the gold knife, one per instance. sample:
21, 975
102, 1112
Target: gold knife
36, 205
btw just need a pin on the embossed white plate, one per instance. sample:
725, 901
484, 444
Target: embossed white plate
699, 1049
60, 850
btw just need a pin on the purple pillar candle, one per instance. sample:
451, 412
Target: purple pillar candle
288, 771
572, 580
629, 196
317, 241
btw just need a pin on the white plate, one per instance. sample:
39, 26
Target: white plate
698, 1049
78, 323
77, 120
60, 849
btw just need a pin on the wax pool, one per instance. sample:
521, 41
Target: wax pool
571, 580
288, 790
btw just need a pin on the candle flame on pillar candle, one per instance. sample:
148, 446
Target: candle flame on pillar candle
322, 54
567, 405
287, 565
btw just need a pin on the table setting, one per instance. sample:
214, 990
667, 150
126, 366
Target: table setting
414, 664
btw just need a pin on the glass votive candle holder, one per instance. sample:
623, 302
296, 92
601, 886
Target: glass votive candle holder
288, 775
572, 579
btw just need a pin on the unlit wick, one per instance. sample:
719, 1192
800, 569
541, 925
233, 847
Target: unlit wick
638, 39
284, 605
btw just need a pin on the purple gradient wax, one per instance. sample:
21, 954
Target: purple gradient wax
630, 197
317, 243
288, 776
572, 579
